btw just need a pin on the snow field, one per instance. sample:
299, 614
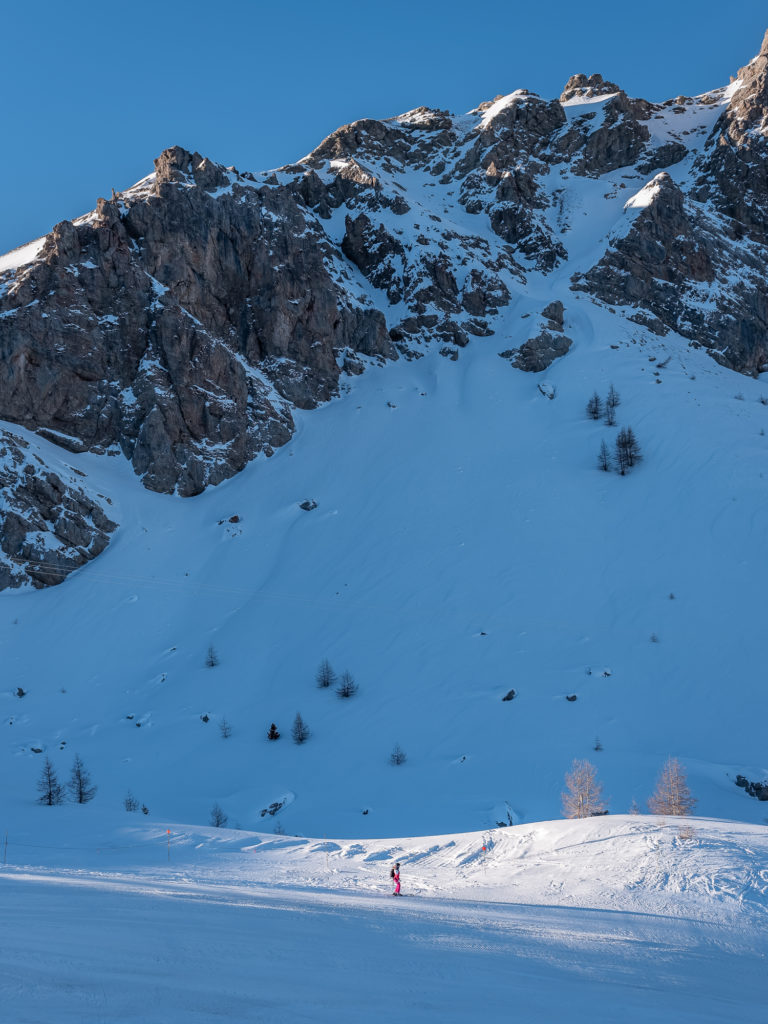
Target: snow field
464, 544
558, 921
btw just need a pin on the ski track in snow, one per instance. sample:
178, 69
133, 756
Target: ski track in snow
257, 928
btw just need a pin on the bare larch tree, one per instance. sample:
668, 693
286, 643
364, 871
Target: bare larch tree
584, 796
672, 795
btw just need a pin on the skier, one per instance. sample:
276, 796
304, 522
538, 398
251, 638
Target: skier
395, 876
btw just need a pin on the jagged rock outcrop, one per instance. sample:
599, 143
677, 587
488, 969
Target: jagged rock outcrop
605, 134
181, 322
546, 345
582, 87
733, 171
676, 261
660, 249
49, 523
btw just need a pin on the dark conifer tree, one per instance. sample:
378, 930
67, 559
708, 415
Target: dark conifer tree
79, 784
628, 452
347, 686
595, 407
604, 458
325, 676
299, 731
48, 786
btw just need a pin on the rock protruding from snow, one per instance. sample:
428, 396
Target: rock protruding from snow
49, 523
543, 347
676, 261
733, 172
579, 88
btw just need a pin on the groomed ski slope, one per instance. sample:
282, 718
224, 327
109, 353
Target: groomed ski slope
631, 918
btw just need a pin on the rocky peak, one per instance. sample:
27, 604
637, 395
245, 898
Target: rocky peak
581, 87
178, 165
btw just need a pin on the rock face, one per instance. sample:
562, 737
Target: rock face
677, 261
603, 136
49, 523
180, 322
544, 347
732, 171
183, 320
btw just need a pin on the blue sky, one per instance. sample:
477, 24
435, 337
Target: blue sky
92, 92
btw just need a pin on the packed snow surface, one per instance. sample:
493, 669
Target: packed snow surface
631, 918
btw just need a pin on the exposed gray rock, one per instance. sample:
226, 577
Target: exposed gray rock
581, 87
606, 136
733, 174
49, 525
181, 323
541, 351
660, 248
662, 156
676, 262
554, 313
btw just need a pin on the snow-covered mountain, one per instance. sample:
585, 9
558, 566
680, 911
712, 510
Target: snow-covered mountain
400, 332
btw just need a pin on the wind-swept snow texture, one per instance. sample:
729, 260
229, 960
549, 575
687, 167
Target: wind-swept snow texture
631, 918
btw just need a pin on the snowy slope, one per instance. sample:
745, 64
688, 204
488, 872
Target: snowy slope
464, 544
623, 918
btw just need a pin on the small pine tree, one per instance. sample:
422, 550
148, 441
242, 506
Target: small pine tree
272, 733
299, 730
398, 755
225, 729
609, 417
628, 452
218, 818
584, 797
612, 399
211, 658
672, 795
79, 784
325, 676
634, 809
48, 786
595, 407
347, 686
604, 458
130, 803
